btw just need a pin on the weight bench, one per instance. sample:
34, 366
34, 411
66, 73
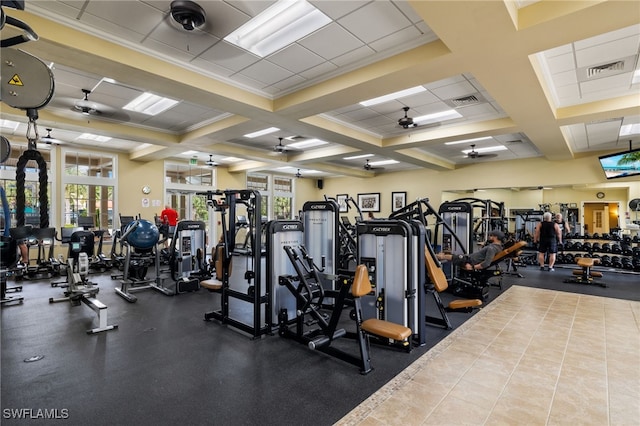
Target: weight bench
586, 275
438, 284
380, 328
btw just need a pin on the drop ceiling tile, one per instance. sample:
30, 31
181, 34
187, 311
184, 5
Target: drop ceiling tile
399, 37
337, 9
176, 55
568, 94
228, 56
296, 58
331, 41
289, 82
565, 78
191, 44
559, 51
477, 111
561, 63
374, 21
111, 28
600, 85
608, 37
211, 67
67, 9
361, 52
454, 90
266, 72
608, 52
140, 17
323, 69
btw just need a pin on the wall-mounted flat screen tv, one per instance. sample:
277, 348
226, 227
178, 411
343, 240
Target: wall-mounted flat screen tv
621, 164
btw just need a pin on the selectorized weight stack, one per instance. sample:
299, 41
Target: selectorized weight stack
186, 256
321, 238
386, 248
280, 234
457, 237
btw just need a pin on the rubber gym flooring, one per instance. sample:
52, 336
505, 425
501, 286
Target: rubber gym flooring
164, 365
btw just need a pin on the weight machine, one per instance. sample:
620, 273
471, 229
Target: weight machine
245, 303
186, 257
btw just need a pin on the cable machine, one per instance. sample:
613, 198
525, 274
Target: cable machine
245, 303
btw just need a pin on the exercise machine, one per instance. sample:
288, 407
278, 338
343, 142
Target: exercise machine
140, 241
281, 234
321, 238
187, 262
320, 331
244, 302
80, 289
390, 250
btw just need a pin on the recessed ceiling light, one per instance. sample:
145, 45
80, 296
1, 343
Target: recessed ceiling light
486, 149
9, 124
636, 77
190, 152
261, 132
231, 159
486, 138
393, 96
355, 157
92, 137
437, 117
150, 104
307, 144
383, 162
629, 129
278, 26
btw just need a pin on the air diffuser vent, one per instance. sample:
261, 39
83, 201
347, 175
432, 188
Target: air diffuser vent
473, 99
515, 141
606, 68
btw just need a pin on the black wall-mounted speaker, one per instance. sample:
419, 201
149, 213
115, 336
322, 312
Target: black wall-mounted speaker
320, 184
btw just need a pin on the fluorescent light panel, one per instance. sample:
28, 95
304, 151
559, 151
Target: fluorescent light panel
307, 144
393, 96
355, 157
92, 137
286, 22
231, 159
486, 138
487, 149
636, 77
9, 124
150, 104
437, 117
629, 129
383, 162
261, 132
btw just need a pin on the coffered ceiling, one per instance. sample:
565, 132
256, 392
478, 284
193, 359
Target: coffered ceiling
547, 79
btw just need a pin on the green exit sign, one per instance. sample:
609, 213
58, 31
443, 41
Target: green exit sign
193, 161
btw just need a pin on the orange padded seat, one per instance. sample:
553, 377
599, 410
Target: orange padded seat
212, 285
361, 287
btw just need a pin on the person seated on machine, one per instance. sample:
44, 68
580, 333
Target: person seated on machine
480, 259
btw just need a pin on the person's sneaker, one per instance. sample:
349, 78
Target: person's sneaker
542, 268
551, 269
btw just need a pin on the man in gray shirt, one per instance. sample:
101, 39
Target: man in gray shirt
480, 259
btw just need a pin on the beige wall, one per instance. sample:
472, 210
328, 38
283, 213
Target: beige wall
572, 181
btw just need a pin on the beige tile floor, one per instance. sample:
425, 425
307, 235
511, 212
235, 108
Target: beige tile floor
531, 357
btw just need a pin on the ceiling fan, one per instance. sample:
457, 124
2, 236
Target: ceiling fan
298, 174
88, 108
211, 162
406, 121
85, 106
475, 154
50, 140
282, 149
367, 166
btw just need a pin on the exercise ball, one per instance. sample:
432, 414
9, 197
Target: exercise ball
144, 236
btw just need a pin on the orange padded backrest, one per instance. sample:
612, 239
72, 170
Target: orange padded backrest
508, 251
361, 284
436, 274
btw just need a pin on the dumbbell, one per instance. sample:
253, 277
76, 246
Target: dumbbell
615, 248
606, 248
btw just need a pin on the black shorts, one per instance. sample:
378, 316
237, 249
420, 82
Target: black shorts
548, 246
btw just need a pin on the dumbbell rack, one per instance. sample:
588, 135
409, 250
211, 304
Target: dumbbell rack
616, 253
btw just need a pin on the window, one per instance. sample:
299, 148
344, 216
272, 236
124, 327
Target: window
31, 184
89, 185
188, 174
277, 199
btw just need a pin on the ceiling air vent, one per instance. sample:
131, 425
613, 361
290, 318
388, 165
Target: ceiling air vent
606, 68
515, 141
464, 101
593, 72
